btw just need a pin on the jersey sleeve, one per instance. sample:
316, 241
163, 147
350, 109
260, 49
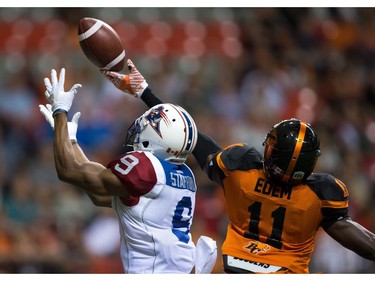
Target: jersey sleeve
136, 172
233, 157
239, 157
334, 197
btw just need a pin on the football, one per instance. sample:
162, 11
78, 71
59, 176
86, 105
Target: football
101, 44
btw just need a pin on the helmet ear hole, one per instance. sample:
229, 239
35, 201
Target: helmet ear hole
145, 144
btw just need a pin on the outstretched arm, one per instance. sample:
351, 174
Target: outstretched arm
100, 201
84, 175
91, 177
46, 110
354, 236
136, 85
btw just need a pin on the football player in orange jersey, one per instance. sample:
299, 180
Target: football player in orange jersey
275, 203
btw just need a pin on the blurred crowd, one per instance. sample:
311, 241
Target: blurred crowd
237, 71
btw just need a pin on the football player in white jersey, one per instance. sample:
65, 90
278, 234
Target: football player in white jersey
150, 188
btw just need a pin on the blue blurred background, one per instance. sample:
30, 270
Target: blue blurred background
237, 70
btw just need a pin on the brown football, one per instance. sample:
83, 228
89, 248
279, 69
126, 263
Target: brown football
101, 44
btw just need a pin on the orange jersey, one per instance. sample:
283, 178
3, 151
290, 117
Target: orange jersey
272, 224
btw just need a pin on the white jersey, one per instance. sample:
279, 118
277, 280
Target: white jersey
155, 222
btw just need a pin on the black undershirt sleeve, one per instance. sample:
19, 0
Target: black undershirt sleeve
205, 145
149, 98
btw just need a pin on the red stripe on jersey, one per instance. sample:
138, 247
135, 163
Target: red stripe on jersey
135, 171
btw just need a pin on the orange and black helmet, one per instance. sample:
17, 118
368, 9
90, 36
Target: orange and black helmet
291, 151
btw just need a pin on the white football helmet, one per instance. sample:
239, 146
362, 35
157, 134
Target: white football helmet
166, 130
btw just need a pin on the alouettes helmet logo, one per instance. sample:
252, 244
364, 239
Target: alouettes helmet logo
154, 118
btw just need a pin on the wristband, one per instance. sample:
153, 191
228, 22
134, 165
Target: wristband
57, 111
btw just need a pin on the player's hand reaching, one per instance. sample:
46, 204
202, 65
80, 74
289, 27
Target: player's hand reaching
133, 84
46, 111
60, 100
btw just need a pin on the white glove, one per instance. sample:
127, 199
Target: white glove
72, 126
205, 255
60, 100
133, 84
